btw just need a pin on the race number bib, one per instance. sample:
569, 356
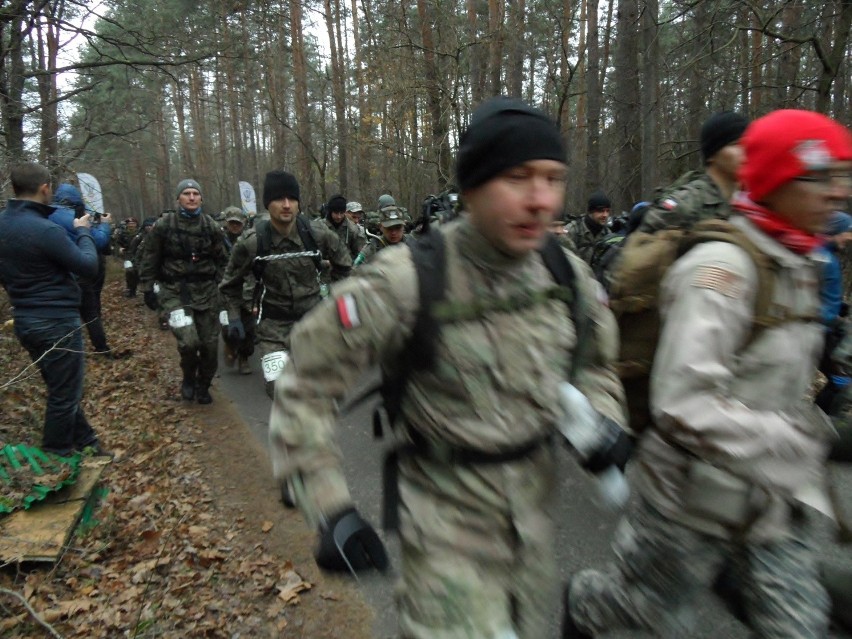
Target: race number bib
273, 364
179, 319
223, 318
128, 264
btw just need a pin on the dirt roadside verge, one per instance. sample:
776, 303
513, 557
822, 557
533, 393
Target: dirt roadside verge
190, 540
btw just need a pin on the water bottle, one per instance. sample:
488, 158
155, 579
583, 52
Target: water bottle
585, 430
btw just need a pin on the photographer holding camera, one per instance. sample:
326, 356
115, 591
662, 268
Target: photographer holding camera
38, 265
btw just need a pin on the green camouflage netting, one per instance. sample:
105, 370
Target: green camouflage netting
28, 475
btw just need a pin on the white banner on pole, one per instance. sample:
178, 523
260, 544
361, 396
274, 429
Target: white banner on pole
248, 198
93, 197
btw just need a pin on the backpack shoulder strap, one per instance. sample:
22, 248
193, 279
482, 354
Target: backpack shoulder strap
560, 268
428, 254
716, 230
263, 235
306, 233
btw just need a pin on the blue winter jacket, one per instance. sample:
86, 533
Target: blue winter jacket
38, 261
68, 201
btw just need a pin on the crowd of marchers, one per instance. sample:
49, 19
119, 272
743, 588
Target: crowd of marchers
682, 337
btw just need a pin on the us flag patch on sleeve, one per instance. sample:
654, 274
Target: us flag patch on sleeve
718, 279
347, 311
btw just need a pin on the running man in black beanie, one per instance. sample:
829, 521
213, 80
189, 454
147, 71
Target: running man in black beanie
703, 195
473, 488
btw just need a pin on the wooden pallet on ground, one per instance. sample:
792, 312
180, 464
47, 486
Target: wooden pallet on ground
41, 533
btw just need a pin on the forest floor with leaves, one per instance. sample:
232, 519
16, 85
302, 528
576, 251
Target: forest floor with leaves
189, 539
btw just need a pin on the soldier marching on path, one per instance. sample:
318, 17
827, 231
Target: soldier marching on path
185, 255
285, 254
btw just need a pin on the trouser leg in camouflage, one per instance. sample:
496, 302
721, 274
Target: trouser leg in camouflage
662, 567
272, 335
208, 347
198, 346
477, 561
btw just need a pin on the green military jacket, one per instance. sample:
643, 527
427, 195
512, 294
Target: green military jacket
186, 256
351, 235
579, 233
290, 285
123, 237
134, 247
698, 199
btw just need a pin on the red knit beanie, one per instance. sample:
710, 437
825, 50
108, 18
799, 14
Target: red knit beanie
788, 143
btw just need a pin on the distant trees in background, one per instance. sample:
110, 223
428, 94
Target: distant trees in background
370, 96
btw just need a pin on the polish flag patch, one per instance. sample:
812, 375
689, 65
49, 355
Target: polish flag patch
347, 311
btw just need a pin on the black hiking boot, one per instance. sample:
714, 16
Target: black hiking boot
203, 395
187, 389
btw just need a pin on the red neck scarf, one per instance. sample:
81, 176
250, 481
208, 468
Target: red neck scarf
779, 229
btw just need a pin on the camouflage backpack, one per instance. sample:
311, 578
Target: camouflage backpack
635, 296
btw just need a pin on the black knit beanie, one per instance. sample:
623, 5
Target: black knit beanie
503, 133
337, 204
720, 130
278, 184
598, 201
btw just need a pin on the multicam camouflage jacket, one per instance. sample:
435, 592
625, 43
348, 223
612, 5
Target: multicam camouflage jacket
693, 197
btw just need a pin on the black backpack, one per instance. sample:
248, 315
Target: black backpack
428, 255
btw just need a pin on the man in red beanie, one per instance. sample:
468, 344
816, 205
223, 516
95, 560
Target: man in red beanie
737, 448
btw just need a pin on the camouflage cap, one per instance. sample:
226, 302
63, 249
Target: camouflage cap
392, 216
234, 213
354, 207
386, 200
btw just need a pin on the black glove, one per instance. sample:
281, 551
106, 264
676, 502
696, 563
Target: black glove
348, 537
236, 330
151, 300
614, 450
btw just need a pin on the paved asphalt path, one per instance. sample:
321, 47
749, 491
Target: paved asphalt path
584, 529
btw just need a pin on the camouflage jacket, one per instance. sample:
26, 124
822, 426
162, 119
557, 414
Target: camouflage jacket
351, 236
187, 257
682, 206
373, 246
289, 285
133, 250
123, 238
494, 385
584, 240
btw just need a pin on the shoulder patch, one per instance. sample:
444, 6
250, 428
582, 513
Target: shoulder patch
669, 204
347, 311
716, 278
